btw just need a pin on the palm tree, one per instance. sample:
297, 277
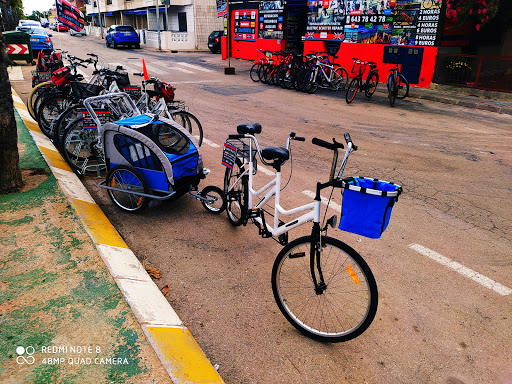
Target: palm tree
10, 172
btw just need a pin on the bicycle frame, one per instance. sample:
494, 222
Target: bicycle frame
273, 189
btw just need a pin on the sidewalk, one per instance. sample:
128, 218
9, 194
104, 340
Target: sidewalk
76, 306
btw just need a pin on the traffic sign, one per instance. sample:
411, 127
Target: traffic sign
17, 49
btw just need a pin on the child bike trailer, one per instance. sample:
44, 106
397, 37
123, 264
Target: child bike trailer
152, 157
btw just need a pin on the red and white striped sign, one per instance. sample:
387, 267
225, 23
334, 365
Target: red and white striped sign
17, 49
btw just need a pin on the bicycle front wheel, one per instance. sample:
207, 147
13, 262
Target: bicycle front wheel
347, 303
352, 89
190, 123
36, 91
235, 191
402, 87
372, 83
255, 69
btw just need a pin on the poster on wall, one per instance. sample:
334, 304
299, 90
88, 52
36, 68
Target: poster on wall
222, 8
245, 25
270, 19
326, 20
397, 22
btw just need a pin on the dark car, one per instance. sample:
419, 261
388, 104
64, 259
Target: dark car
122, 35
214, 41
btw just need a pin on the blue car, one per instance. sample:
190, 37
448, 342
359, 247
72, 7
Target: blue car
39, 38
122, 35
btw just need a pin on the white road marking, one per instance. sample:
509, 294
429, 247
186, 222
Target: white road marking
15, 73
265, 171
196, 81
197, 67
464, 271
208, 142
324, 200
150, 68
179, 69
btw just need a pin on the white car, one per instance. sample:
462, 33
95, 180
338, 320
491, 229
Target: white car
72, 32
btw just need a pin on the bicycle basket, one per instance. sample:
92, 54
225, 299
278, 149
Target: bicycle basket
167, 92
122, 79
85, 90
367, 205
359, 67
59, 76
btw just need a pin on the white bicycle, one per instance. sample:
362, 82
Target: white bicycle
322, 286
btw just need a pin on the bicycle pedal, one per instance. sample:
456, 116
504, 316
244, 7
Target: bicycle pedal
253, 213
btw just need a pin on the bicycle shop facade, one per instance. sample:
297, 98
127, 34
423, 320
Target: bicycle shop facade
383, 31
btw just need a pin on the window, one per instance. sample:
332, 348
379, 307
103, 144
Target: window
125, 28
94, 5
182, 21
109, 2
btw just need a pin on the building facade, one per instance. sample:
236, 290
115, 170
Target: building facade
183, 24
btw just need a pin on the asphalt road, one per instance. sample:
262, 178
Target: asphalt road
443, 267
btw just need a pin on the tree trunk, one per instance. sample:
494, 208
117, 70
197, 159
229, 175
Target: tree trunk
10, 172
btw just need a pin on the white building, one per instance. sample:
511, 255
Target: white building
184, 24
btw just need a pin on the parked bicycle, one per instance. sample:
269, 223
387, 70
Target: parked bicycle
398, 86
357, 84
322, 286
325, 74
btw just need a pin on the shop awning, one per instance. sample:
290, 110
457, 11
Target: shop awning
161, 9
128, 12
108, 14
92, 14
140, 12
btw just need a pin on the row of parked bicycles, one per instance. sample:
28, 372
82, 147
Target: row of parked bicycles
57, 104
322, 286
307, 73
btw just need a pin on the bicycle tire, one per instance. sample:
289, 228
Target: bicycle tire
340, 78
64, 119
190, 123
402, 87
36, 91
372, 83
392, 89
49, 110
310, 84
352, 89
331, 315
127, 180
254, 72
216, 194
236, 198
261, 72
79, 148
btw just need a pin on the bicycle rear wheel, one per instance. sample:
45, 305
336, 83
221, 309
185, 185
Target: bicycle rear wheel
402, 87
190, 123
127, 180
310, 84
347, 303
392, 89
352, 89
372, 83
36, 91
235, 191
340, 78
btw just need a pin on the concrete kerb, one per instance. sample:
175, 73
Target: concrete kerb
174, 345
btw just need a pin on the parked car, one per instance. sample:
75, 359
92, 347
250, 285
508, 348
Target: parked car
39, 38
122, 35
214, 41
44, 22
29, 23
59, 27
51, 26
72, 32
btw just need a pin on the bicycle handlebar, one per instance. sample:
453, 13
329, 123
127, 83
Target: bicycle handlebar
332, 146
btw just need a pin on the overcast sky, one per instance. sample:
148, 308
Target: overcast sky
37, 5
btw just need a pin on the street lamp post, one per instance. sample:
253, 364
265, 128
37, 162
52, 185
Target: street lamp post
99, 17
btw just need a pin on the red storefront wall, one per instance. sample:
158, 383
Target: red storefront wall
369, 52
375, 52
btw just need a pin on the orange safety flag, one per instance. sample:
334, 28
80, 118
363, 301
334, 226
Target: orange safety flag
144, 70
